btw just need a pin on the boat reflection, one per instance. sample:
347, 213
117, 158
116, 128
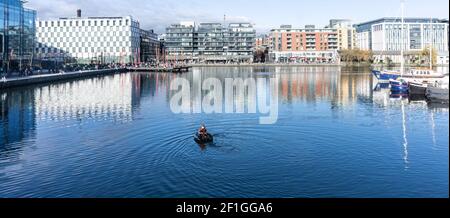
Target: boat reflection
405, 138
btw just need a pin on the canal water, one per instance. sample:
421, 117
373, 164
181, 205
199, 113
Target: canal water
336, 135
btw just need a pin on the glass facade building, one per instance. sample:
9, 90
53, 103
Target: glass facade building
149, 45
17, 35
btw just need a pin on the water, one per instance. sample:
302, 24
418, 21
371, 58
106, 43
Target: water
115, 136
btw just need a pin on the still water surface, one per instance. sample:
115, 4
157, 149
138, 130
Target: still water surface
115, 136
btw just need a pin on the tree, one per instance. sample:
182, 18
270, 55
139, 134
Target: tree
425, 55
259, 56
356, 55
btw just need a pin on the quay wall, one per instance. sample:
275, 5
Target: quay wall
48, 78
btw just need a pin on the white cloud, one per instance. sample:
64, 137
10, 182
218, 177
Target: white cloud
152, 14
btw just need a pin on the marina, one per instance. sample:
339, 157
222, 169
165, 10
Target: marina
418, 82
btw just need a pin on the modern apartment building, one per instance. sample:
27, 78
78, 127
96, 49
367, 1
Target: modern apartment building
210, 42
309, 44
99, 39
383, 37
17, 35
179, 41
346, 33
240, 42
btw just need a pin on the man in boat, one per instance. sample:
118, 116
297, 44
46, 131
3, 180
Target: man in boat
203, 132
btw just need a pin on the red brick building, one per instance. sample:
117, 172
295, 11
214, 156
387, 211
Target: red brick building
303, 44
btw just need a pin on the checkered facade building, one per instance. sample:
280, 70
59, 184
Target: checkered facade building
106, 39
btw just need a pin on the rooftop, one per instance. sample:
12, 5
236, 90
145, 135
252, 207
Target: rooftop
406, 20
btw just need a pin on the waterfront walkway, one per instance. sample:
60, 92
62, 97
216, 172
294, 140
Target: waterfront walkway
265, 65
176, 69
45, 78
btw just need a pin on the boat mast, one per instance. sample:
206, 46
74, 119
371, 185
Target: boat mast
431, 43
402, 40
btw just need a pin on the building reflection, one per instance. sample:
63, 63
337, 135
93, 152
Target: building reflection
308, 84
110, 98
97, 98
17, 120
311, 84
296, 84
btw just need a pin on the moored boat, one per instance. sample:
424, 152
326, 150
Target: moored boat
437, 94
384, 76
416, 88
399, 85
425, 75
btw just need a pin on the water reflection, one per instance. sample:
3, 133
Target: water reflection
296, 84
106, 136
17, 118
405, 137
98, 98
17, 122
117, 97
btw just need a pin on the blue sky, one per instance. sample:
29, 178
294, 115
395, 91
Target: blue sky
265, 14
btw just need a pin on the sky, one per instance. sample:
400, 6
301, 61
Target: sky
264, 14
